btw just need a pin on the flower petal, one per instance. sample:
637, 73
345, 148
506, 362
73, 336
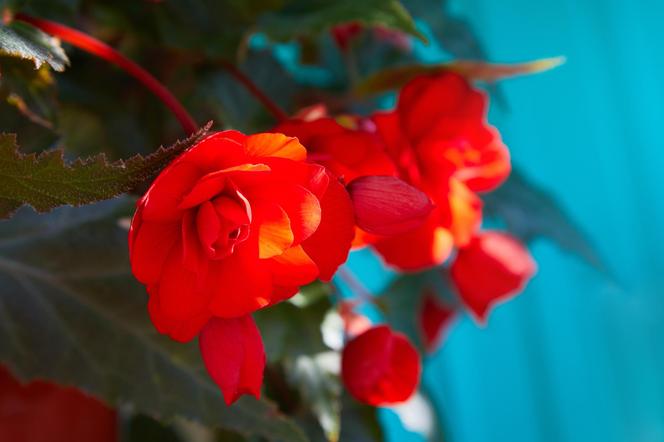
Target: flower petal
293, 268
274, 145
275, 234
152, 243
328, 247
232, 350
421, 248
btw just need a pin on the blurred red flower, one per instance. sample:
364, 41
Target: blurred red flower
40, 411
380, 367
440, 142
493, 267
434, 318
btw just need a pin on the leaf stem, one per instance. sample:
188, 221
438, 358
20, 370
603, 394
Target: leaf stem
270, 105
104, 51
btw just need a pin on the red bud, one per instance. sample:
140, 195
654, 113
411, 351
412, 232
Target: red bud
434, 319
380, 367
386, 205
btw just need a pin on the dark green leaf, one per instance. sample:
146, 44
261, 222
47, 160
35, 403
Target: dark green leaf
530, 212
402, 301
395, 78
311, 17
359, 422
45, 181
290, 331
24, 41
71, 312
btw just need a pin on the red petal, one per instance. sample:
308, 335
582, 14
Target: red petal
427, 102
179, 298
465, 211
380, 367
232, 350
218, 151
242, 283
386, 205
293, 268
40, 411
163, 198
213, 183
493, 267
328, 247
152, 243
424, 247
274, 145
275, 234
434, 319
179, 330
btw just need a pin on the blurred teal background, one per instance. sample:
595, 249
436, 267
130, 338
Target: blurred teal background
576, 357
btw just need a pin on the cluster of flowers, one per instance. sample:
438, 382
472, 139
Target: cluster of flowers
238, 223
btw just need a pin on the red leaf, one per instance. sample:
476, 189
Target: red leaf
386, 205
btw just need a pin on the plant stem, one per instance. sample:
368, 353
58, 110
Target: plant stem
104, 51
270, 105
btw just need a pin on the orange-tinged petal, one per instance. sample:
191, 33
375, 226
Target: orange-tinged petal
419, 249
293, 268
274, 234
274, 145
213, 183
465, 212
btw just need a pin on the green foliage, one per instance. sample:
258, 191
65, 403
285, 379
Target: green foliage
72, 312
24, 41
394, 78
45, 181
530, 213
311, 17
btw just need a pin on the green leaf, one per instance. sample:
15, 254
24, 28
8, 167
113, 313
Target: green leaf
312, 17
24, 41
45, 181
316, 378
71, 312
290, 331
402, 300
529, 212
359, 422
395, 78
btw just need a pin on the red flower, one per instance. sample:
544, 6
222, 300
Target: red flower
380, 367
493, 267
349, 151
434, 319
344, 33
234, 224
440, 141
44, 412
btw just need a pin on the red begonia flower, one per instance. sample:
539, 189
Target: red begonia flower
232, 350
493, 267
441, 143
40, 411
380, 367
234, 224
434, 319
347, 150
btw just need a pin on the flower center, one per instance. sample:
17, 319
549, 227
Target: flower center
223, 223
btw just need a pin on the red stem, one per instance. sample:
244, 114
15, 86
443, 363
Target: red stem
270, 105
104, 51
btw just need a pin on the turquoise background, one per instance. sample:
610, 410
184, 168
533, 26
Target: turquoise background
576, 357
